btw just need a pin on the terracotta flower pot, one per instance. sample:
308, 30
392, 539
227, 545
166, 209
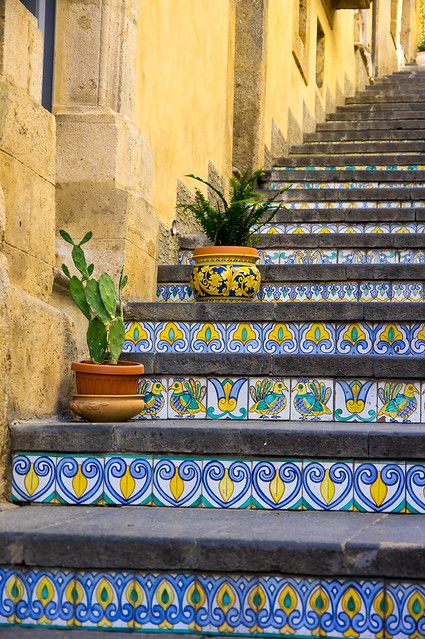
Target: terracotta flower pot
107, 408
107, 379
225, 273
420, 58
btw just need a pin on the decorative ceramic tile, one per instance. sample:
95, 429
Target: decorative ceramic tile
186, 258
354, 339
174, 293
128, 479
305, 292
316, 338
227, 398
139, 337
187, 398
352, 256
154, 392
172, 337
277, 485
392, 339
177, 481
208, 337
228, 604
378, 256
269, 398
409, 227
350, 228
324, 228
79, 479
405, 618
415, 487
312, 399
412, 257
226, 483
244, 337
328, 485
398, 402
374, 292
104, 600
165, 602
408, 292
308, 256
268, 257
379, 487
33, 477
289, 606
355, 400
376, 228
353, 609
44, 598
280, 338
9, 595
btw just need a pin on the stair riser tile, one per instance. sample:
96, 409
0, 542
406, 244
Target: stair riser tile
271, 484
352, 167
226, 604
276, 186
343, 228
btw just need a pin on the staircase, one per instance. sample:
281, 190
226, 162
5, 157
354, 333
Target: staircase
275, 483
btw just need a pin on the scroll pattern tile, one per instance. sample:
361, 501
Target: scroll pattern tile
261, 483
354, 167
344, 228
276, 186
214, 603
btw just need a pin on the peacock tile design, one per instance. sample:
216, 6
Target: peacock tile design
379, 487
104, 600
10, 594
177, 481
308, 256
44, 598
165, 602
328, 485
34, 478
187, 398
399, 402
154, 391
269, 398
227, 398
405, 616
277, 485
226, 483
79, 479
312, 399
415, 487
128, 480
355, 400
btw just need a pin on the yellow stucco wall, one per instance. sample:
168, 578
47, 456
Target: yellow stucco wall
184, 91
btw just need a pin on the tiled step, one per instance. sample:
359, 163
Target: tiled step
45, 632
387, 135
375, 125
389, 183
359, 147
394, 160
392, 106
344, 113
346, 175
387, 98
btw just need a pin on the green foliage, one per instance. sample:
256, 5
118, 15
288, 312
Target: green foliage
421, 43
97, 300
232, 221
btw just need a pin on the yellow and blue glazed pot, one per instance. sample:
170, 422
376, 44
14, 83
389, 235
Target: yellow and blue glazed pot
225, 273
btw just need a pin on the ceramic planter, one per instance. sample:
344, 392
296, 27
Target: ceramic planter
107, 379
225, 273
107, 408
420, 58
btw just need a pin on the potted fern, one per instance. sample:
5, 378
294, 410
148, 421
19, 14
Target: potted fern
227, 269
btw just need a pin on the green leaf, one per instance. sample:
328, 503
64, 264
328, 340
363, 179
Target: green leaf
97, 340
80, 261
95, 301
65, 269
86, 238
123, 281
66, 236
107, 293
116, 338
90, 269
78, 294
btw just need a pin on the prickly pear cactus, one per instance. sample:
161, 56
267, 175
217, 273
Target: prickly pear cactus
97, 300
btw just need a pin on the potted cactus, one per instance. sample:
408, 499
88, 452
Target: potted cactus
102, 305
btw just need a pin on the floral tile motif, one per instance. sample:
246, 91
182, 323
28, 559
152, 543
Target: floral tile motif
376, 228
10, 594
375, 292
104, 600
277, 485
289, 606
227, 398
172, 337
174, 293
226, 483
312, 399
405, 617
354, 339
379, 487
79, 479
353, 609
399, 402
408, 292
355, 400
165, 602
44, 598
415, 487
139, 337
308, 256
352, 256
244, 337
228, 605
280, 338
350, 228
128, 479
380, 256
34, 478
316, 338
207, 337
392, 339
269, 398
409, 227
177, 481
328, 485
155, 395
187, 398
412, 257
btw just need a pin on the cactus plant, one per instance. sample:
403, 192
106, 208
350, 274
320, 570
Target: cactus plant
97, 300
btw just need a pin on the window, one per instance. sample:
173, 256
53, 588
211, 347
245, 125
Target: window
44, 11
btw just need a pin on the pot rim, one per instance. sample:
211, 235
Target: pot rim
117, 397
234, 251
123, 367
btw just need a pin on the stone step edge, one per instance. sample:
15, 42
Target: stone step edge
138, 538
334, 241
394, 159
253, 438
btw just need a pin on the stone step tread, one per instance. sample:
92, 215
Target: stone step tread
375, 125
323, 176
250, 438
401, 241
384, 107
394, 159
414, 194
359, 147
367, 135
139, 538
374, 116
387, 97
